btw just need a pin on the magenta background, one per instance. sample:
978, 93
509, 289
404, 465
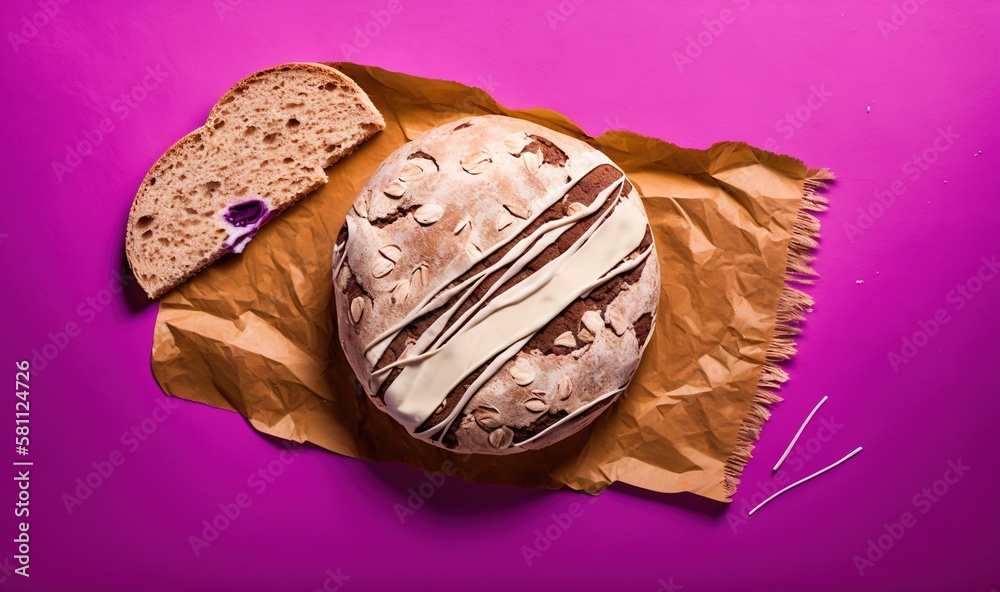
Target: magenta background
606, 65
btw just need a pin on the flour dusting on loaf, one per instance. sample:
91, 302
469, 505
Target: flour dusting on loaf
496, 283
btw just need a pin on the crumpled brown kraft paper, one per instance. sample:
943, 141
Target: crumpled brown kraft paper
256, 333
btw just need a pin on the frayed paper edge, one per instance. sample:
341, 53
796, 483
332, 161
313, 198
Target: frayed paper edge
793, 304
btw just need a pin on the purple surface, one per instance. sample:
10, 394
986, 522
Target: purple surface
131, 78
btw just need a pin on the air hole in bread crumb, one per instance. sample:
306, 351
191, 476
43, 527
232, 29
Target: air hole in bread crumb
191, 211
249, 130
147, 234
152, 181
269, 138
293, 123
220, 123
212, 185
333, 147
329, 86
288, 160
143, 222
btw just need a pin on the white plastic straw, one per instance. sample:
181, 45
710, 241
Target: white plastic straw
801, 481
799, 433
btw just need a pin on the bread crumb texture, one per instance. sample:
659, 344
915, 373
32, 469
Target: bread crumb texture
268, 139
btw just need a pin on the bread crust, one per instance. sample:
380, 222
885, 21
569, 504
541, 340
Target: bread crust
147, 271
407, 239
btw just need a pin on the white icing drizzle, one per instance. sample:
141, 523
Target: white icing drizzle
494, 330
578, 411
559, 227
581, 167
517, 313
512, 351
487, 374
500, 360
516, 258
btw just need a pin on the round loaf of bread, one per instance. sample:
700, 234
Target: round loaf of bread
496, 284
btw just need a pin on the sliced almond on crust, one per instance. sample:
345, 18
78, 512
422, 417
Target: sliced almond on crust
532, 161
593, 321
395, 189
361, 205
411, 172
358, 306
504, 219
516, 142
518, 210
488, 417
400, 291
391, 252
618, 320
343, 276
565, 388
566, 340
502, 437
382, 267
536, 405
418, 278
522, 371
476, 163
428, 214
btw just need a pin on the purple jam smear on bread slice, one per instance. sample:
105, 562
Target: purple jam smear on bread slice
243, 220
246, 213
265, 145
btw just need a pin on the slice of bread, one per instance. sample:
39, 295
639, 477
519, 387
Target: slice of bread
264, 146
